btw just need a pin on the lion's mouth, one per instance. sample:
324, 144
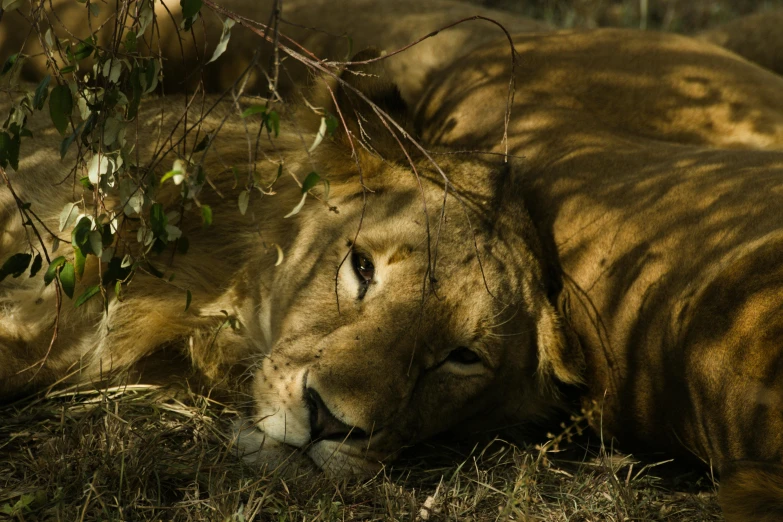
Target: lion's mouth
343, 458
344, 455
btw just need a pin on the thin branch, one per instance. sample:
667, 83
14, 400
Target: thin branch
323, 67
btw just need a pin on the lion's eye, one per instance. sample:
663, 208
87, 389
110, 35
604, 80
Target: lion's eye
364, 270
463, 355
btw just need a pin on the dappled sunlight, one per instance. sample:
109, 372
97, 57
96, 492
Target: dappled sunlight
652, 172
651, 85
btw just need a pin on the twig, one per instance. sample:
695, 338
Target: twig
27, 222
321, 66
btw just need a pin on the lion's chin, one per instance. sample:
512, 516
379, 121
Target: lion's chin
337, 458
341, 459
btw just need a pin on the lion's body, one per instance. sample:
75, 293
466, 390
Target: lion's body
647, 180
756, 37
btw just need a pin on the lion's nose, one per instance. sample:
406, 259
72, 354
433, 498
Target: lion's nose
324, 425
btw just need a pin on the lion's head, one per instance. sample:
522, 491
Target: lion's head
405, 305
408, 308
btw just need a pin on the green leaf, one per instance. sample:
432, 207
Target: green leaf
204, 142
151, 72
228, 23
68, 279
130, 42
170, 174
255, 109
15, 265
331, 123
188, 298
112, 69
41, 92
78, 260
84, 49
96, 243
298, 207
68, 69
68, 215
115, 272
9, 150
60, 107
177, 172
51, 272
310, 181
9, 63
97, 167
244, 200
135, 80
146, 16
190, 8
107, 236
20, 506
319, 137
158, 222
206, 215
80, 237
37, 263
86, 295
85, 182
272, 122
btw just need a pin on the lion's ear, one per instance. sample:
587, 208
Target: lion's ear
559, 351
560, 354
368, 82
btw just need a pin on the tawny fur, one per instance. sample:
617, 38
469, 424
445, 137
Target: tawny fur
381, 358
752, 491
756, 37
654, 178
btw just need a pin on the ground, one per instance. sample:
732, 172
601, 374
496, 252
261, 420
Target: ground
149, 453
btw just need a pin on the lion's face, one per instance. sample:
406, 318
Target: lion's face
396, 333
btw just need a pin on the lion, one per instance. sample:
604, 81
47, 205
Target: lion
582, 262
350, 314
756, 37
653, 166
335, 29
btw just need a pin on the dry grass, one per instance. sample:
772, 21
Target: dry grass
150, 453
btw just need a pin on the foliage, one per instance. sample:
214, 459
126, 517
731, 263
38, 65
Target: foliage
92, 98
93, 94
